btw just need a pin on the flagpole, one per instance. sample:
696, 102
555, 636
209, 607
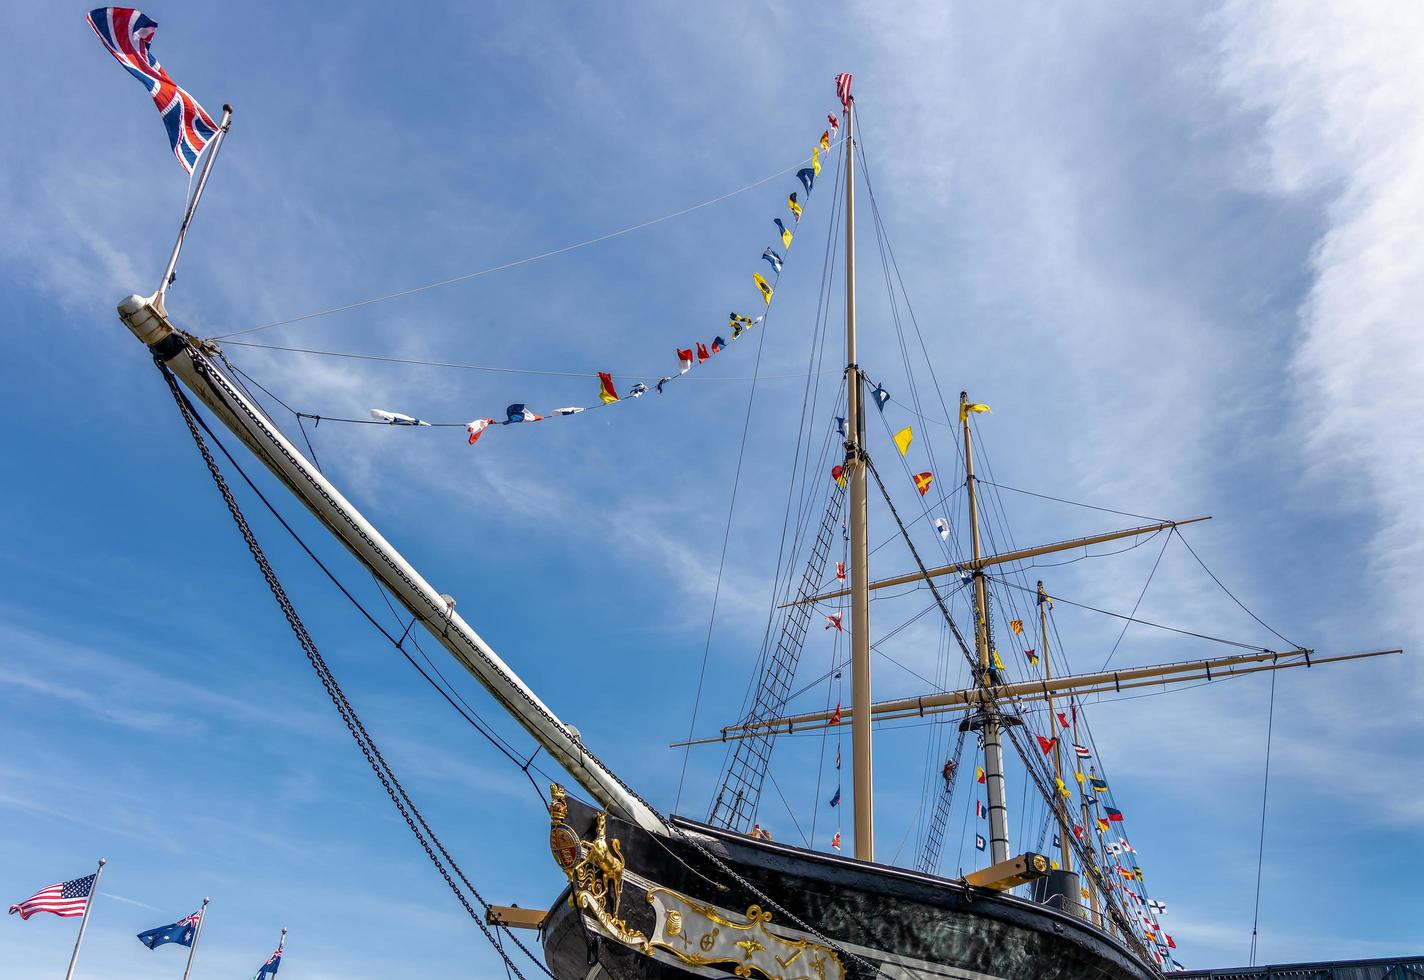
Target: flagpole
84, 922
198, 934
193, 204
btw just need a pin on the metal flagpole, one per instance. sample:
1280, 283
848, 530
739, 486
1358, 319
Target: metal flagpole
94, 890
193, 204
198, 934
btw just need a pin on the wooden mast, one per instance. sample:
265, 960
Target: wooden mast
862, 768
987, 717
1065, 855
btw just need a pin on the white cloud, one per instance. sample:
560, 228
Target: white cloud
1337, 90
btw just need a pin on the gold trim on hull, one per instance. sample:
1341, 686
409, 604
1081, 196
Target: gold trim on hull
696, 934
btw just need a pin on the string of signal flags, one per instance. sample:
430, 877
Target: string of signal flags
903, 439
700, 352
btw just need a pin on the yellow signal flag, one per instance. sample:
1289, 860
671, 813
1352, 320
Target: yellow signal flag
1054, 865
794, 206
1078, 775
975, 407
978, 774
902, 440
816, 160
764, 286
1016, 625
1102, 825
998, 663
1062, 788
785, 232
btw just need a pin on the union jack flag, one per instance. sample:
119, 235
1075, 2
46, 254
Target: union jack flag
127, 33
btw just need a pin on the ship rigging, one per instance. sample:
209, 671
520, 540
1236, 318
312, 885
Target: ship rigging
650, 895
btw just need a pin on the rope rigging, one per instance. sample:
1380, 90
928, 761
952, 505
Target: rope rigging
797, 530
393, 788
413, 817
745, 766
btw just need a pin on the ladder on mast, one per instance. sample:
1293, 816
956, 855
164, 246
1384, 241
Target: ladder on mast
740, 792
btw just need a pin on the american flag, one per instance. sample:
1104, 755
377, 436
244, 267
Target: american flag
843, 89
68, 899
127, 33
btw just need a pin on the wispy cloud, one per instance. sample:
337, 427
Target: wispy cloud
1336, 91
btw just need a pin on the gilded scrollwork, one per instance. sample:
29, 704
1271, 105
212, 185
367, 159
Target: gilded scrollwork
688, 930
594, 868
701, 935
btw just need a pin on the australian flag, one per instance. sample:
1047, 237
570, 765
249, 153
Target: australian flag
181, 932
127, 33
269, 969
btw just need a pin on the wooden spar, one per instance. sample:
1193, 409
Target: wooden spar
862, 725
195, 365
1017, 555
1106, 682
988, 719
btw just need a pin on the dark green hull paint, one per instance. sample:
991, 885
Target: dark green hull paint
933, 925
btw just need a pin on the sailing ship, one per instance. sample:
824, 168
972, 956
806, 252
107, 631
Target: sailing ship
654, 896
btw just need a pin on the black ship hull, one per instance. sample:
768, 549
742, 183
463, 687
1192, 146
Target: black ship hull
678, 914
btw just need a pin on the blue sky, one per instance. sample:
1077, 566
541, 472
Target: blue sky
1172, 247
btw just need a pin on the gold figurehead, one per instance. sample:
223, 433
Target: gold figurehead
594, 868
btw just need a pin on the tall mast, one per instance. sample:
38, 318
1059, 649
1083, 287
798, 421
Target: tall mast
987, 719
863, 788
1065, 856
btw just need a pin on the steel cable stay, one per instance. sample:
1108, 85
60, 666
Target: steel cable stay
1019, 571
1034, 764
916, 410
